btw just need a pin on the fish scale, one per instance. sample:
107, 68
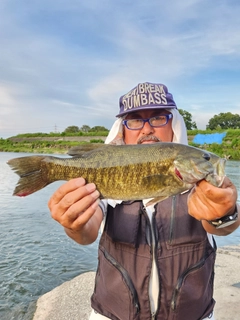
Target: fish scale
128, 172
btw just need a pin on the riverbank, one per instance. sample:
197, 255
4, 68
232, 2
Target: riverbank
46, 145
60, 144
71, 300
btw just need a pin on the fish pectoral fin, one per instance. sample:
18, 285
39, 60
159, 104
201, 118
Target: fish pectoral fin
155, 200
157, 179
155, 182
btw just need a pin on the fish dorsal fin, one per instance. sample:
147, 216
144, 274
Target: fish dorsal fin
79, 151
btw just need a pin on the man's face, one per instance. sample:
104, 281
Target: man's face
148, 134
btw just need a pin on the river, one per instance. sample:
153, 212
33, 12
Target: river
36, 255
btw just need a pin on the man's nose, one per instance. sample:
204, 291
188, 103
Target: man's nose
147, 128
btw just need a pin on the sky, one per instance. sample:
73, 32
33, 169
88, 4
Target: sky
65, 63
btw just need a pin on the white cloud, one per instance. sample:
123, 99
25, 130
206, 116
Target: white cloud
6, 98
62, 62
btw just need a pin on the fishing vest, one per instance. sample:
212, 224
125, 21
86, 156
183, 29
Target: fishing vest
185, 262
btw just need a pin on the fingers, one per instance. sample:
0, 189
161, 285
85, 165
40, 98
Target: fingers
82, 208
209, 202
74, 203
66, 188
227, 193
77, 220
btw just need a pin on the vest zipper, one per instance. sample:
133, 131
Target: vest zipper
150, 233
157, 247
148, 229
127, 279
181, 279
172, 219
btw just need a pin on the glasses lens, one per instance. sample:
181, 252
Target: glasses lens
135, 123
158, 121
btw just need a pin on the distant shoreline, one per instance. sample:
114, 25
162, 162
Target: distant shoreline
60, 144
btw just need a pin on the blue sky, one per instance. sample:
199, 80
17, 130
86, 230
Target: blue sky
67, 63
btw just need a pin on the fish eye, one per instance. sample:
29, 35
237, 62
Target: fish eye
206, 156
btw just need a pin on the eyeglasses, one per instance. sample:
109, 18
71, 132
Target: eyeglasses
155, 122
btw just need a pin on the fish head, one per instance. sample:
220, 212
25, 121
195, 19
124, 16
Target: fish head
199, 164
217, 176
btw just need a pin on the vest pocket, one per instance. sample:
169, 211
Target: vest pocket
193, 293
114, 295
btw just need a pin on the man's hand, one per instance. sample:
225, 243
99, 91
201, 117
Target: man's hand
75, 206
207, 202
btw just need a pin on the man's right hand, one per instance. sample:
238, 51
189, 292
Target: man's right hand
75, 206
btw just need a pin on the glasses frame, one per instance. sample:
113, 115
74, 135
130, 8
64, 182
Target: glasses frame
168, 116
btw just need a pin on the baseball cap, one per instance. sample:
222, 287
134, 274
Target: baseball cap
146, 96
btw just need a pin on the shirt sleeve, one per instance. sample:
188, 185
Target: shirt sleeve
103, 205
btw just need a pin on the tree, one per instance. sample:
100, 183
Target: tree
187, 117
98, 129
224, 121
85, 128
72, 129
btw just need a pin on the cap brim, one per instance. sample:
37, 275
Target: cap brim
146, 108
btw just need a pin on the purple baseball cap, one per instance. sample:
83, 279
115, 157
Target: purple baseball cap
146, 96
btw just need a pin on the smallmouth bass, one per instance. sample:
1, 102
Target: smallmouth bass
125, 172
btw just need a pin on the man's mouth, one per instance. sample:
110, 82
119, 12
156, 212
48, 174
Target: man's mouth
148, 139
148, 142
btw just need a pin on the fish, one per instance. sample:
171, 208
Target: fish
124, 172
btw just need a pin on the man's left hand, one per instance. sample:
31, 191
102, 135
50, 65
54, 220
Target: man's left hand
207, 202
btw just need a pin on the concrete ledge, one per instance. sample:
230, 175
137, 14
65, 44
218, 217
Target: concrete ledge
227, 283
71, 300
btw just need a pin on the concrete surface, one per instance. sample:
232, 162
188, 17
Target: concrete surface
71, 300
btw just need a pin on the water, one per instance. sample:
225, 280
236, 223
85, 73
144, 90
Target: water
233, 172
36, 255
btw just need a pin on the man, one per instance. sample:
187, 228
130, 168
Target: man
155, 262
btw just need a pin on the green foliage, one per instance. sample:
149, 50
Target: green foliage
235, 143
196, 131
85, 128
98, 128
96, 133
62, 134
36, 134
60, 143
224, 121
72, 129
188, 119
96, 141
230, 147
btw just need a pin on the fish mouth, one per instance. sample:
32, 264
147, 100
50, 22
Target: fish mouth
178, 174
216, 178
148, 139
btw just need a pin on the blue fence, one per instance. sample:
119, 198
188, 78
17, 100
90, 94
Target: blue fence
209, 138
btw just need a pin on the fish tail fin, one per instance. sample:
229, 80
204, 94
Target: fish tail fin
31, 175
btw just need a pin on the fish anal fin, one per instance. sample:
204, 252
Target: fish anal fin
29, 184
155, 200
